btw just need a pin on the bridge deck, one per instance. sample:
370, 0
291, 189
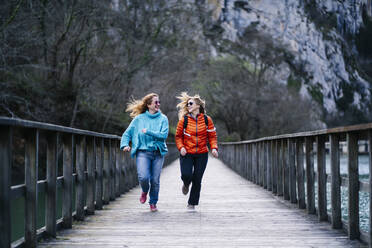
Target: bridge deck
232, 213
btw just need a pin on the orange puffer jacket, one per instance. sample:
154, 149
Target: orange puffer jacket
196, 135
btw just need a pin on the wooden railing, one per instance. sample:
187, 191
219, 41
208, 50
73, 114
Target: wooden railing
92, 166
285, 165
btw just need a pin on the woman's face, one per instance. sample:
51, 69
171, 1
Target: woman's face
155, 105
192, 106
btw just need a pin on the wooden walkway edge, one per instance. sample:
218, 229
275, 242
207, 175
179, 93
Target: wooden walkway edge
233, 212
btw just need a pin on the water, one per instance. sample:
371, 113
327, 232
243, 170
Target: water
18, 213
363, 161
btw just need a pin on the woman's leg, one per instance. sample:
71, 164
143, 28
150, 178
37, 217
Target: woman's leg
186, 164
143, 163
199, 167
156, 167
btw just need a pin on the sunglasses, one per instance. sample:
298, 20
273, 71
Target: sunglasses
157, 102
190, 103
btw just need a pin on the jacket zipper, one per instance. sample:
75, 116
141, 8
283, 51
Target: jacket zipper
196, 134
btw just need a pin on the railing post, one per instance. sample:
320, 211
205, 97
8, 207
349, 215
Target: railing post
279, 164
6, 143
257, 163
269, 166
80, 182
264, 164
300, 173
112, 170
250, 155
370, 184
31, 169
285, 170
99, 179
353, 196
122, 178
322, 180
292, 171
127, 174
51, 192
310, 175
247, 161
335, 182
117, 169
68, 155
106, 174
91, 168
274, 167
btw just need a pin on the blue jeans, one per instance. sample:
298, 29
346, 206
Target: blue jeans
149, 165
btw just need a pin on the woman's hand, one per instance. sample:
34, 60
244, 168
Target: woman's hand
127, 149
144, 130
183, 151
215, 153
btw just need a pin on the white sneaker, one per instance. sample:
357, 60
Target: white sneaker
191, 207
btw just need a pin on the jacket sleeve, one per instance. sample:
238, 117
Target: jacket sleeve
163, 133
179, 134
212, 134
127, 135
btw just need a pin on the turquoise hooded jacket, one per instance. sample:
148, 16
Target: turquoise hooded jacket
157, 128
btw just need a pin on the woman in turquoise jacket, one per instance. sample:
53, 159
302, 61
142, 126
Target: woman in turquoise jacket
147, 133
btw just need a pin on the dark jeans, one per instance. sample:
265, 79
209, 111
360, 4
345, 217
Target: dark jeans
192, 170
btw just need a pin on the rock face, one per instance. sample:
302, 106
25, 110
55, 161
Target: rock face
313, 31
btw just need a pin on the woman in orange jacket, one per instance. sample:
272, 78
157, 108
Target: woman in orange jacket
194, 130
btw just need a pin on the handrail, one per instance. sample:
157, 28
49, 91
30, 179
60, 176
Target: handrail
361, 128
88, 158
284, 165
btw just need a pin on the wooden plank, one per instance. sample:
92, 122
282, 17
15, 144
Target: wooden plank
80, 166
362, 130
6, 144
300, 173
91, 167
51, 127
51, 192
292, 171
68, 154
353, 188
31, 169
322, 181
309, 158
335, 182
246, 216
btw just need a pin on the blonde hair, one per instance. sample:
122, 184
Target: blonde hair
182, 106
136, 107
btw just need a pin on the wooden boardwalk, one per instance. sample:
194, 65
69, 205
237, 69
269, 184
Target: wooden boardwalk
232, 213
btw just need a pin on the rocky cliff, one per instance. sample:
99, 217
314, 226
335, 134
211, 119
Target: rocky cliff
318, 34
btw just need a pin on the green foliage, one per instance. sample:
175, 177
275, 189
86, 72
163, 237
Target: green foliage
316, 93
294, 82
